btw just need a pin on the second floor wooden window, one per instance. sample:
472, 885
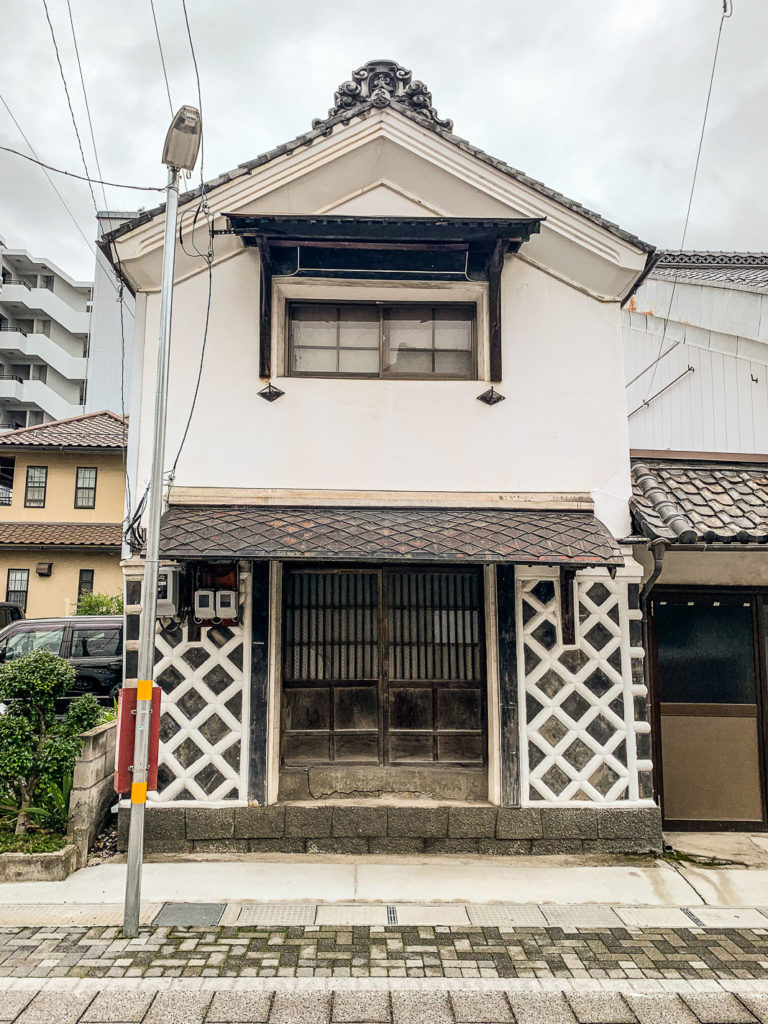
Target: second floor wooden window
37, 482
416, 341
17, 587
85, 487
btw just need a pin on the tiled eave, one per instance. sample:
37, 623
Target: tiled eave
690, 501
354, 534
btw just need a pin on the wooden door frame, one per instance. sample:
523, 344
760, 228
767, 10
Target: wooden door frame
758, 597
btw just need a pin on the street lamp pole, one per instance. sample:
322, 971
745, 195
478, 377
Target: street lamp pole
180, 153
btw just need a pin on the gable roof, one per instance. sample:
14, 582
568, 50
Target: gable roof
92, 430
689, 501
745, 271
374, 86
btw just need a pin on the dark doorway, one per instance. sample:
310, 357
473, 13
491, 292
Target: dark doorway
383, 667
709, 674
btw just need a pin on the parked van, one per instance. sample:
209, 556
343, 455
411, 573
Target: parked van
9, 613
93, 645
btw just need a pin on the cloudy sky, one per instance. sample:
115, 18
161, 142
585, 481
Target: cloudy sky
600, 99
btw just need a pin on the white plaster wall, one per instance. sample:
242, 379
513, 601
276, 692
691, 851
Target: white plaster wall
562, 427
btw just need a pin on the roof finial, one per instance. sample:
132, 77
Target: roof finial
382, 83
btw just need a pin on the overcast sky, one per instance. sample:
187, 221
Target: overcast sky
600, 99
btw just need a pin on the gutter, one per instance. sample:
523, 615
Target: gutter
651, 260
658, 549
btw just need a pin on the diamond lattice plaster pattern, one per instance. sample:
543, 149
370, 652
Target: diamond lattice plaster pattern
201, 728
580, 728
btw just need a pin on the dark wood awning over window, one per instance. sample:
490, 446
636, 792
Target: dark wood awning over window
393, 248
387, 535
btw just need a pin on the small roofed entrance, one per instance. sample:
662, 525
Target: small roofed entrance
384, 679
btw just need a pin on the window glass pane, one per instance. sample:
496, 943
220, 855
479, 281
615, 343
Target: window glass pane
85, 582
359, 360
410, 361
314, 360
96, 643
314, 325
359, 327
28, 640
35, 491
453, 364
705, 652
453, 327
17, 586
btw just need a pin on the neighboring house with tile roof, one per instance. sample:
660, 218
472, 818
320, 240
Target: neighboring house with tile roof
61, 511
407, 474
696, 365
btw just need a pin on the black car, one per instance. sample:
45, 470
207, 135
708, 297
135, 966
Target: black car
10, 612
93, 644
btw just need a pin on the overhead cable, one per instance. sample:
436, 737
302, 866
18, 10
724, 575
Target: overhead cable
162, 56
87, 105
69, 104
727, 12
81, 177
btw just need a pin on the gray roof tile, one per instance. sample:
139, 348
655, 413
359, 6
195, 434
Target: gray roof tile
685, 501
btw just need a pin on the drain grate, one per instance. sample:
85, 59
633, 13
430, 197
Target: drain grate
391, 915
183, 915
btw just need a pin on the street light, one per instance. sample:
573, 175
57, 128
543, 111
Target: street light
182, 144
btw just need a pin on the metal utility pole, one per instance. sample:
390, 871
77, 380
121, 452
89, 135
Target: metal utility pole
180, 153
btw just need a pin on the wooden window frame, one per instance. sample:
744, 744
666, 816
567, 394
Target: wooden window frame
381, 305
8, 591
29, 503
78, 487
83, 590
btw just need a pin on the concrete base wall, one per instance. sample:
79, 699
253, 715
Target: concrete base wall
347, 828
92, 787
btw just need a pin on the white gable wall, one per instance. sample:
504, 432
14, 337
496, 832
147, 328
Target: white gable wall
562, 427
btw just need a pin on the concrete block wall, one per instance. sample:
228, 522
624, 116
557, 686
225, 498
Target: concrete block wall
350, 828
92, 787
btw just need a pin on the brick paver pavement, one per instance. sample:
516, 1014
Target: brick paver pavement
395, 951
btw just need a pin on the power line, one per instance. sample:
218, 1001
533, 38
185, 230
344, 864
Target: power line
87, 105
199, 93
69, 104
162, 56
727, 12
80, 177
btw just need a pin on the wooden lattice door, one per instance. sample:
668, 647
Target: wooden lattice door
383, 666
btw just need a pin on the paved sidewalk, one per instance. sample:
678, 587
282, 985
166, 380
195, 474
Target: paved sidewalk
393, 1004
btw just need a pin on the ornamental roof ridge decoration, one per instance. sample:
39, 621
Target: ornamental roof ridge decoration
380, 83
711, 258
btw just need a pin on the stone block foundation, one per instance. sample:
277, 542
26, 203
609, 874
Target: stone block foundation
347, 828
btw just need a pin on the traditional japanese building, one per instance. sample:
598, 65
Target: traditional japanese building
408, 458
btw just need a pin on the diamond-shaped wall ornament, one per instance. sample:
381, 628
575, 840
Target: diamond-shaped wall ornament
579, 741
270, 393
491, 396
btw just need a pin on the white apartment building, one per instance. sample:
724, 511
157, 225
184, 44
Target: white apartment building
44, 328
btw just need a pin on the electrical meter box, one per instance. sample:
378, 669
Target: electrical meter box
226, 604
167, 591
205, 604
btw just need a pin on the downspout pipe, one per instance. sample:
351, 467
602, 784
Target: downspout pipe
658, 549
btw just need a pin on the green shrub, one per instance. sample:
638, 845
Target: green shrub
99, 604
38, 750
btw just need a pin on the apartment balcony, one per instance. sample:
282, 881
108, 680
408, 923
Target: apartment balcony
19, 345
43, 303
24, 394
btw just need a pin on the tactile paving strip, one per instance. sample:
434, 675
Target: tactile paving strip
492, 915
277, 913
344, 914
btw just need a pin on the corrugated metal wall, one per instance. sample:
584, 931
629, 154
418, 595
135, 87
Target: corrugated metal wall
709, 390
